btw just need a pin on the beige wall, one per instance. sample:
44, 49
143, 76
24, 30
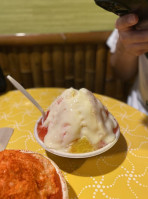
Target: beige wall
48, 16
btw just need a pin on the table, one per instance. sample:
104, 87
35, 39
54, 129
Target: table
121, 172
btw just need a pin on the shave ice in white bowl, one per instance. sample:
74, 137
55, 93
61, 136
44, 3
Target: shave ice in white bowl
77, 123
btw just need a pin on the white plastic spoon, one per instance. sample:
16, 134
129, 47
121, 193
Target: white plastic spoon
19, 87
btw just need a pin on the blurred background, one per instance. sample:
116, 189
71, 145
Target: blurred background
53, 16
63, 45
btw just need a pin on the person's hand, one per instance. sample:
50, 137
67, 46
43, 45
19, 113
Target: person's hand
135, 42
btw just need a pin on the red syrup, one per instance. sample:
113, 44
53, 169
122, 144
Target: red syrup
42, 131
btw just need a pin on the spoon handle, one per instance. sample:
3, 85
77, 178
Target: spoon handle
19, 87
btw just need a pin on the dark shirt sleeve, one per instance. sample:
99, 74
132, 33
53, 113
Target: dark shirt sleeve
2, 81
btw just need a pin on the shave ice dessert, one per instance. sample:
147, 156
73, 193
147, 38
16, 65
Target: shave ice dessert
77, 122
29, 175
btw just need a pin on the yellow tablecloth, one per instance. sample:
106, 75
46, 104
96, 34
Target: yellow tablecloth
121, 172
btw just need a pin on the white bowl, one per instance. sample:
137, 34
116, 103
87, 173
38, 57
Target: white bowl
77, 155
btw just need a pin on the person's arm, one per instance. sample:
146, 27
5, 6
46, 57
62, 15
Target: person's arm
130, 45
124, 64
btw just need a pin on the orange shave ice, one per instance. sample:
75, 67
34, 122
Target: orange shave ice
77, 122
29, 175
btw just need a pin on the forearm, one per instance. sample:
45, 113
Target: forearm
124, 64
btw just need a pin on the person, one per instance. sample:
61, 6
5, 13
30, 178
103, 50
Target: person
129, 47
